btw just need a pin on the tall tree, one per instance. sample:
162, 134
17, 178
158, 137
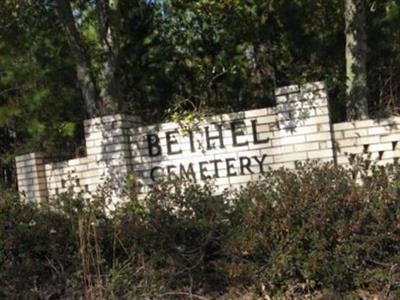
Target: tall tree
84, 69
101, 92
40, 105
356, 60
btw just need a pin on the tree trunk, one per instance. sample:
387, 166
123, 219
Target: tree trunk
83, 66
109, 32
356, 57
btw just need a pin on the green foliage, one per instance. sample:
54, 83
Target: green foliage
231, 55
38, 255
310, 232
37, 83
383, 57
183, 57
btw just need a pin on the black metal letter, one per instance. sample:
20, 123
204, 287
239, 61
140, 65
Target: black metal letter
153, 142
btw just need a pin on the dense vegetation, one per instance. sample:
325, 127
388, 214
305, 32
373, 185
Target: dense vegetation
165, 57
310, 232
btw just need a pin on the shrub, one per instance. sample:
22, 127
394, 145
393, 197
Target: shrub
316, 228
38, 254
311, 231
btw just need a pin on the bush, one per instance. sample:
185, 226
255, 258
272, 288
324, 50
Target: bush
38, 256
311, 231
316, 228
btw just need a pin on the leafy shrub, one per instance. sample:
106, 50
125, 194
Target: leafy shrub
38, 254
316, 228
311, 231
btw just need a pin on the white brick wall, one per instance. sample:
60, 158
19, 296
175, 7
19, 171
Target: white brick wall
32, 176
376, 139
297, 129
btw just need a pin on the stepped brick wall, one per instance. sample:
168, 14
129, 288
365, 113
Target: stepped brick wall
228, 149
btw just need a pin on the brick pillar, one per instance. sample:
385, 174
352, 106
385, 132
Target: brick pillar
108, 147
31, 176
304, 121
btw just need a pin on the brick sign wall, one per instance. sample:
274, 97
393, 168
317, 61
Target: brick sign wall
230, 149
234, 149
